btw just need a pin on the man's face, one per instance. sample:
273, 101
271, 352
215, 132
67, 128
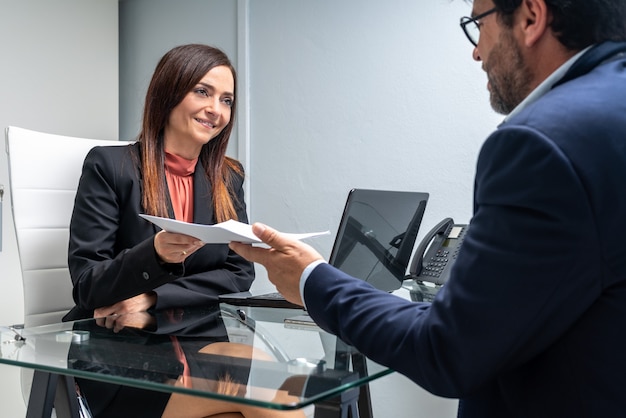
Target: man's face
509, 77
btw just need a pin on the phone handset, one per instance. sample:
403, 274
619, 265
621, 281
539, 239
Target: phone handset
418, 259
434, 257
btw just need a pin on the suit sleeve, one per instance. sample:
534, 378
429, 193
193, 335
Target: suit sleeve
525, 274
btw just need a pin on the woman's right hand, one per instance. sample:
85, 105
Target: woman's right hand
175, 248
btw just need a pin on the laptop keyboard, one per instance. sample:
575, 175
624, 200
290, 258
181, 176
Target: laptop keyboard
270, 296
267, 300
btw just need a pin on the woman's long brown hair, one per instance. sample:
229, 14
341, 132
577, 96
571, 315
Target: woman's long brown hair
176, 74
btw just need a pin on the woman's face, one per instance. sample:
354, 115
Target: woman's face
202, 114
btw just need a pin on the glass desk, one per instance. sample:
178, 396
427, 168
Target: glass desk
260, 352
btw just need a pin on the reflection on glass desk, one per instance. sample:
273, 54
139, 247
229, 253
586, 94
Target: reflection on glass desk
250, 345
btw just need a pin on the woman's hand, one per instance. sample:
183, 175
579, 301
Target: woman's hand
175, 248
107, 316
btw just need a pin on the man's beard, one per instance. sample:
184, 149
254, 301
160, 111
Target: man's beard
509, 76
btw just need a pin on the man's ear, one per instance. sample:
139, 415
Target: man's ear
534, 20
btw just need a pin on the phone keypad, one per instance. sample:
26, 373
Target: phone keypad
434, 267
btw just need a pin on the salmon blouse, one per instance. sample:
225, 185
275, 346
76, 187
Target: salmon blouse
179, 174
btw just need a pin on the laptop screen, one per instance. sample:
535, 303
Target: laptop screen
376, 235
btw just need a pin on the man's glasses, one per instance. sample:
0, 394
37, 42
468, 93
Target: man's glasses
471, 26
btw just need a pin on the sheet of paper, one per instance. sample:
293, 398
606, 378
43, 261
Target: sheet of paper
221, 233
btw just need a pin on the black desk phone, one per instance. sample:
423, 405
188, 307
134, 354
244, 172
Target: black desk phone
434, 258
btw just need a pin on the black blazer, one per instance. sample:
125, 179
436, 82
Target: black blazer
111, 253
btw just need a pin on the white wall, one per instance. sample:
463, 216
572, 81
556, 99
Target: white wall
380, 96
59, 74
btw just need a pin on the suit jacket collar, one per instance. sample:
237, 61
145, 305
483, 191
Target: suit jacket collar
595, 56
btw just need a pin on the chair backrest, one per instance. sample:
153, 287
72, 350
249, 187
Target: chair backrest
44, 170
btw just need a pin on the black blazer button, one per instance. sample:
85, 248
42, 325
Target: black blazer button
145, 275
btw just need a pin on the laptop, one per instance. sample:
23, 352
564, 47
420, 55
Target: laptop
374, 242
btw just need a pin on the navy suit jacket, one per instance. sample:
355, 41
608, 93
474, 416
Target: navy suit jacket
111, 249
531, 321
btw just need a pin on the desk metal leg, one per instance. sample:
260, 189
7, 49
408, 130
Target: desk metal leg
42, 393
346, 356
359, 364
344, 406
51, 390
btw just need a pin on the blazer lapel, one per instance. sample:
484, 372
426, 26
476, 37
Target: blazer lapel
202, 197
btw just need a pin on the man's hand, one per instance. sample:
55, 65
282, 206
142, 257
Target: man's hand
284, 261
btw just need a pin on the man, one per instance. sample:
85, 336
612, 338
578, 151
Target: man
531, 321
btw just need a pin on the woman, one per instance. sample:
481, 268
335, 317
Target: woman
119, 262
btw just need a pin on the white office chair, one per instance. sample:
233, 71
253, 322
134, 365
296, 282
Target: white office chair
44, 170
